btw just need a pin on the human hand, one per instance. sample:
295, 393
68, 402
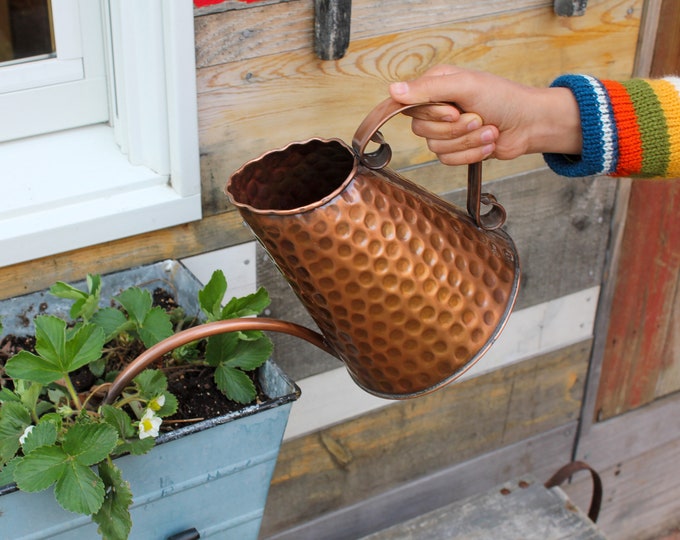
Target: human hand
502, 118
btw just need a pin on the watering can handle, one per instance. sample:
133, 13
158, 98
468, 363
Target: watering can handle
368, 131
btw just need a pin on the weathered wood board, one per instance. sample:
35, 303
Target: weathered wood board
520, 509
560, 227
641, 495
642, 355
349, 462
540, 455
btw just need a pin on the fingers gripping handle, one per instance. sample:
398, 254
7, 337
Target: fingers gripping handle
368, 131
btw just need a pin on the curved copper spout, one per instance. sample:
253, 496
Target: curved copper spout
207, 330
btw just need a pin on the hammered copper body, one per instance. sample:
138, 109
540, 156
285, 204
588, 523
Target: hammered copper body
407, 289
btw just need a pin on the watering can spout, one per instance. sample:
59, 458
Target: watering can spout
204, 331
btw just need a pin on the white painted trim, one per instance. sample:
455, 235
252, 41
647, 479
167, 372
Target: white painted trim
62, 92
529, 332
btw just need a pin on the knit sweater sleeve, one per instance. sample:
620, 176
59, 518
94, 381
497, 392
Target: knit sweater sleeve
630, 128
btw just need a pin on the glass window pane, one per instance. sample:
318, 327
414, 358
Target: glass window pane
25, 30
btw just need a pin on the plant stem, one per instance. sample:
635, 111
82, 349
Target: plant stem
72, 392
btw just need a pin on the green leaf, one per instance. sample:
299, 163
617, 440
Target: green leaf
220, 348
40, 469
90, 443
69, 292
211, 296
155, 327
113, 517
245, 306
29, 397
7, 472
113, 321
137, 302
136, 446
151, 383
7, 395
14, 418
50, 335
250, 355
84, 347
169, 407
126, 432
119, 420
235, 384
28, 366
79, 489
44, 434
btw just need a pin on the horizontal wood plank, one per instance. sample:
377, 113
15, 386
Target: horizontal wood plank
254, 105
266, 29
540, 455
349, 462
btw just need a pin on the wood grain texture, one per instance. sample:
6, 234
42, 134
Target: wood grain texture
346, 463
561, 230
540, 455
266, 29
253, 105
642, 343
641, 495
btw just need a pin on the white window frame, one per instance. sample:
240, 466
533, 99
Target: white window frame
97, 183
65, 91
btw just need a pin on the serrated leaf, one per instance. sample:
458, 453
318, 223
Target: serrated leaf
69, 292
7, 395
169, 407
137, 302
44, 434
151, 383
79, 489
136, 446
211, 296
155, 327
28, 366
250, 355
113, 517
245, 306
119, 420
50, 336
7, 472
220, 347
113, 321
14, 418
235, 384
90, 443
84, 347
40, 469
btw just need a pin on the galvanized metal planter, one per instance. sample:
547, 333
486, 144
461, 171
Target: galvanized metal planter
212, 476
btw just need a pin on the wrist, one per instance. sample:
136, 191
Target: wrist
556, 126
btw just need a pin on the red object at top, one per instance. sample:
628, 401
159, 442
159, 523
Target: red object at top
203, 3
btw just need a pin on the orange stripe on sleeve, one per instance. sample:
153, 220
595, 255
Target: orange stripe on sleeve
628, 130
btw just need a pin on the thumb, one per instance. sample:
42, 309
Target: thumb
450, 86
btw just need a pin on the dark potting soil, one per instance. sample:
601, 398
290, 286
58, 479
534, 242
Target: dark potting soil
193, 385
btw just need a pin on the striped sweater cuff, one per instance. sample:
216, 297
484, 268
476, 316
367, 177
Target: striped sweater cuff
600, 137
630, 128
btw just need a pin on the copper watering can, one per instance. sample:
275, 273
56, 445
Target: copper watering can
408, 290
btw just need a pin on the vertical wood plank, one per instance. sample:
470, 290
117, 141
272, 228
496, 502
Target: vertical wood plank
641, 359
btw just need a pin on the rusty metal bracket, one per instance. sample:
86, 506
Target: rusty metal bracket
570, 8
331, 28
